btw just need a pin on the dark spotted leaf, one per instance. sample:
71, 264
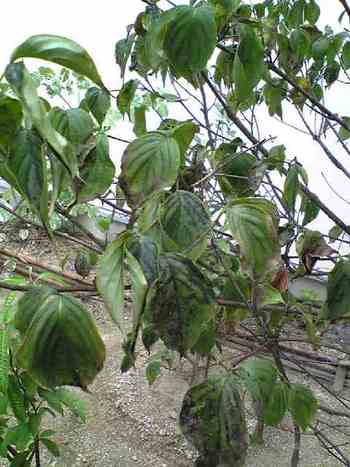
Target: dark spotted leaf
212, 419
180, 303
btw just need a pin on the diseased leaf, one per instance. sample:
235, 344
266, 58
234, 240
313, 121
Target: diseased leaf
62, 345
59, 50
150, 163
11, 115
186, 223
180, 303
212, 419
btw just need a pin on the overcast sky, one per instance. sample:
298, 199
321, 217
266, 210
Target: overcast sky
98, 25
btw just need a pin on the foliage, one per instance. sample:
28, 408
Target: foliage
215, 211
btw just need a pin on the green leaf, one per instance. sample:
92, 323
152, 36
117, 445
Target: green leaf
277, 405
51, 446
180, 303
312, 11
62, 345
346, 55
59, 50
122, 52
296, 14
98, 102
299, 43
140, 127
139, 287
310, 210
75, 125
338, 292
291, 187
4, 360
21, 81
73, 402
320, 47
28, 166
344, 134
253, 223
150, 163
335, 232
110, 279
97, 172
16, 399
302, 405
248, 62
11, 115
331, 72
153, 371
189, 28
53, 400
126, 96
186, 223
259, 376
212, 419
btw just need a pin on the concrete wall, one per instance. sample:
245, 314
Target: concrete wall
317, 286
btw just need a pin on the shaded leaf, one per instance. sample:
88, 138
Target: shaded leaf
98, 102
302, 405
338, 292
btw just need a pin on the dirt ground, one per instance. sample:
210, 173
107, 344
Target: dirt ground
131, 424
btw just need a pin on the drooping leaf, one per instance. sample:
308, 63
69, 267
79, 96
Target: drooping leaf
310, 246
346, 55
97, 172
4, 360
51, 446
62, 345
122, 52
253, 223
212, 419
344, 134
277, 405
98, 102
150, 163
189, 28
73, 402
75, 125
259, 376
180, 303
312, 11
110, 279
140, 127
28, 166
153, 371
302, 405
59, 50
11, 115
145, 250
338, 292
310, 210
126, 96
21, 81
185, 223
291, 187
248, 63
16, 398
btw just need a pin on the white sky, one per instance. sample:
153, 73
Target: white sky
98, 25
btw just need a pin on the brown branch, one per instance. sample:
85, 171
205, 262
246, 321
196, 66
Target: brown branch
346, 7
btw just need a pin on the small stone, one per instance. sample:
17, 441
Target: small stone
134, 458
